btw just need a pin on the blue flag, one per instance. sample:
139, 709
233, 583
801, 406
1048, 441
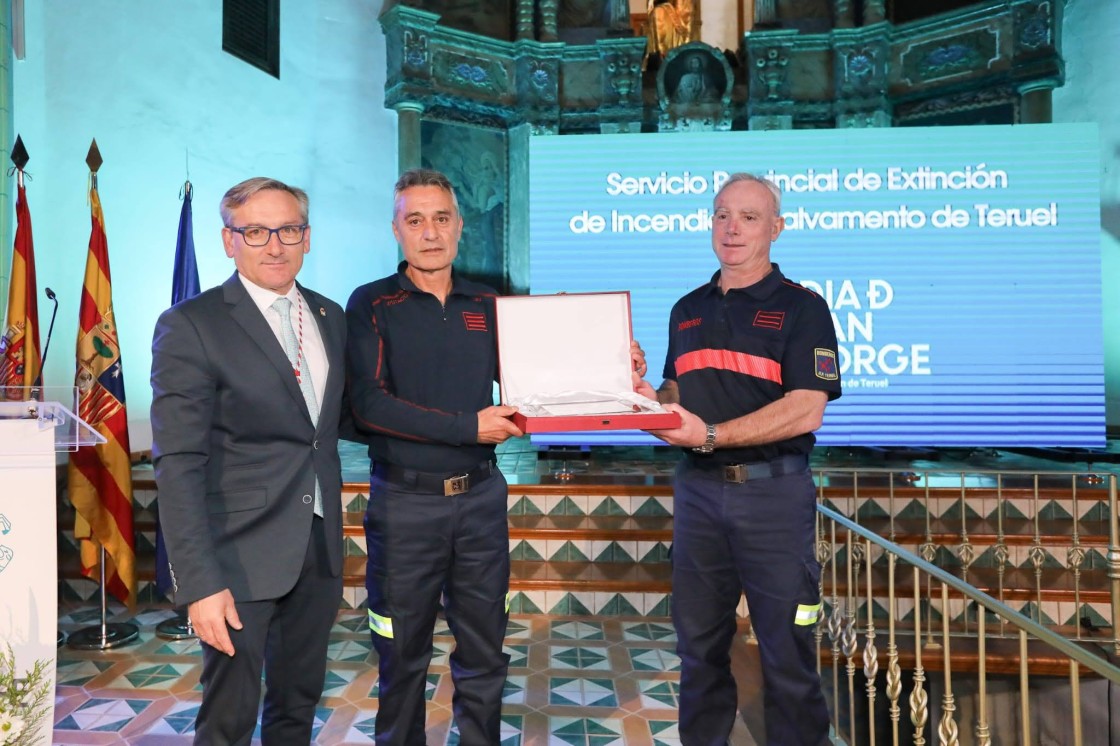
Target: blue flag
184, 284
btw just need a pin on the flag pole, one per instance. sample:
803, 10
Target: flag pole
184, 285
106, 635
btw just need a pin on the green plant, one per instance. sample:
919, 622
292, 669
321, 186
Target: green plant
24, 700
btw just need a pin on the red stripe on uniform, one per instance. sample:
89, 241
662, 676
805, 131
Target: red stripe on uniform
739, 362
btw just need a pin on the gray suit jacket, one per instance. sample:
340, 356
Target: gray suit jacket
235, 452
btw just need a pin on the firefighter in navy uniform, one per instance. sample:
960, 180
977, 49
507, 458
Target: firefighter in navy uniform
421, 361
751, 365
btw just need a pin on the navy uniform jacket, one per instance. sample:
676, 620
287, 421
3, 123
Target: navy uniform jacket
734, 353
420, 371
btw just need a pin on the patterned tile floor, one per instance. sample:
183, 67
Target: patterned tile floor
586, 681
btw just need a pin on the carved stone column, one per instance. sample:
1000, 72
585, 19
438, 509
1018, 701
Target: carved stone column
874, 11
408, 135
525, 19
1036, 105
844, 13
549, 10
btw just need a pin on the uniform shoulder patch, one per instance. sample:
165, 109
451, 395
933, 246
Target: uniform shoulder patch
825, 364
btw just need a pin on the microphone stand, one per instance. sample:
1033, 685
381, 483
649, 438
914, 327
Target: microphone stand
37, 384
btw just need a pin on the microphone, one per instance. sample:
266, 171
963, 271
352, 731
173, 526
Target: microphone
47, 346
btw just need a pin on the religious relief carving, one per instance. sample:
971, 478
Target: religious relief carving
623, 76
471, 73
415, 50
537, 89
772, 73
694, 89
541, 76
1033, 26
861, 71
967, 53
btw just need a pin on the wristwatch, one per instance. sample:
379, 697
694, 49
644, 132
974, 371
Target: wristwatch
709, 441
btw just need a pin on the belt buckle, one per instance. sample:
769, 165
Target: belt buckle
456, 485
735, 473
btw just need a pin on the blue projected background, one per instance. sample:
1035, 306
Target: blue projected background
962, 265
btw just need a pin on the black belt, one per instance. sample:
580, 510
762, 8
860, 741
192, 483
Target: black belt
739, 473
443, 484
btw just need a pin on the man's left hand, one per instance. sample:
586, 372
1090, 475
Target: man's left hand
692, 432
638, 358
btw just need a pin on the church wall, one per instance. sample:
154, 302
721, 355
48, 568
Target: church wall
151, 83
1091, 48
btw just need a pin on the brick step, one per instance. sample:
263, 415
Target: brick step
1057, 584
984, 532
1001, 654
648, 529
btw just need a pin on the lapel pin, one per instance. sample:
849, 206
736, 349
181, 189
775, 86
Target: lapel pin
322, 311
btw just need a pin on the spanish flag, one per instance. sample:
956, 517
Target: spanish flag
100, 477
21, 362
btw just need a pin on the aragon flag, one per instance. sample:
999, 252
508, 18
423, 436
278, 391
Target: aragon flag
100, 477
21, 361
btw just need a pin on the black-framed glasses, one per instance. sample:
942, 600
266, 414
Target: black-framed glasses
258, 235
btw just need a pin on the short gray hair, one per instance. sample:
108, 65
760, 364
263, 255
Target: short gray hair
239, 194
775, 192
422, 177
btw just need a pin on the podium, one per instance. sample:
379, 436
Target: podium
32, 431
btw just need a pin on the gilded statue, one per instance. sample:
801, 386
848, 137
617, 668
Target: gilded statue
668, 25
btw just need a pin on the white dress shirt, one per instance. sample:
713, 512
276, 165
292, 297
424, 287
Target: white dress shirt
314, 352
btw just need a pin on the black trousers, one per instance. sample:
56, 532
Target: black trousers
420, 546
754, 538
287, 637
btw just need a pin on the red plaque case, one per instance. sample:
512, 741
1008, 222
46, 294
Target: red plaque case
564, 361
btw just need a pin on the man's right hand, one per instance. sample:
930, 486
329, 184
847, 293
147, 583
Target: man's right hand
209, 617
494, 425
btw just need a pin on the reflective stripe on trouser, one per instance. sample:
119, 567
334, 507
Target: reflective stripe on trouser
381, 625
754, 538
421, 547
805, 614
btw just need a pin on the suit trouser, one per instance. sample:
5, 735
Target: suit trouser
754, 538
420, 546
286, 636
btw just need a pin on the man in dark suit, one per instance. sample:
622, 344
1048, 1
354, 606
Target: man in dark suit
247, 382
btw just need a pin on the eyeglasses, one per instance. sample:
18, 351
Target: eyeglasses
258, 235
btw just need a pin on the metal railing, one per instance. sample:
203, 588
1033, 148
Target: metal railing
947, 613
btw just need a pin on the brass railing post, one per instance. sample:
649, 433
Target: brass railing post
1114, 562
870, 653
983, 734
947, 729
919, 701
